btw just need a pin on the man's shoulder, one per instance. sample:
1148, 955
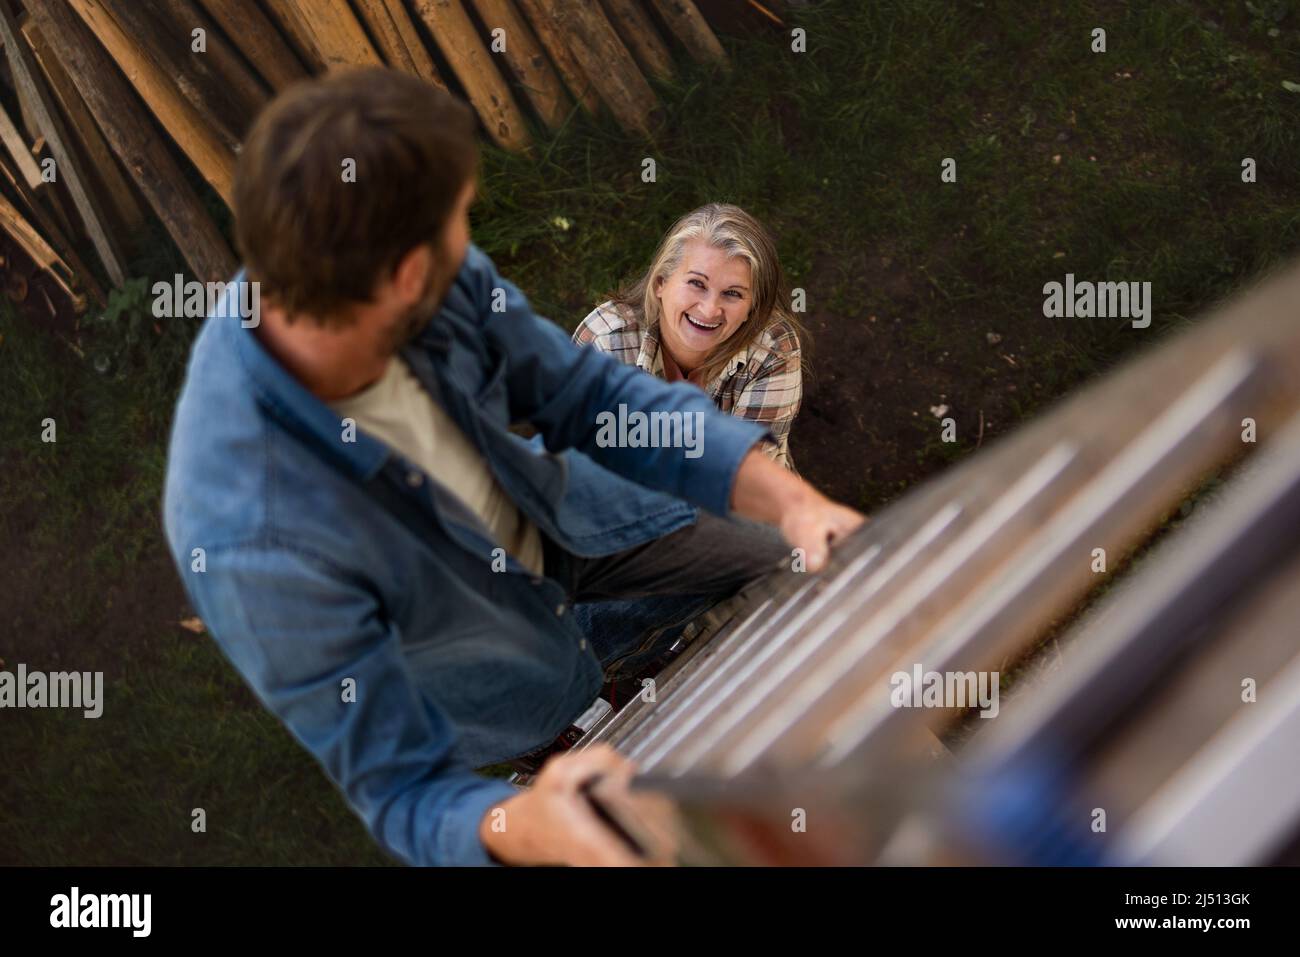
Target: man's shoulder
226, 458
237, 482
216, 459
477, 280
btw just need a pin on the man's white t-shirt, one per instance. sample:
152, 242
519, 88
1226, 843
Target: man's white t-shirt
398, 410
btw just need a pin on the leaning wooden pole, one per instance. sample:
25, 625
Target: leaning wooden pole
593, 40
248, 88
454, 32
213, 158
67, 162
258, 39
526, 61
299, 34
687, 23
54, 238
398, 39
132, 137
336, 32
16, 144
162, 31
41, 253
641, 37
126, 210
550, 36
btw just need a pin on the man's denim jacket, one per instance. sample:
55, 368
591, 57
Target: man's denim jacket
359, 599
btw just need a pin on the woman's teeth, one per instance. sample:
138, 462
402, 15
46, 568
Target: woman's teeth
701, 325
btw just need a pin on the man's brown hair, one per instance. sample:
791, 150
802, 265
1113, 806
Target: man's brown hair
316, 242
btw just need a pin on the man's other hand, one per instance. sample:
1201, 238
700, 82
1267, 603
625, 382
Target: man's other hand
554, 822
766, 492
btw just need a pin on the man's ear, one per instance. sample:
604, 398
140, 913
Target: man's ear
411, 276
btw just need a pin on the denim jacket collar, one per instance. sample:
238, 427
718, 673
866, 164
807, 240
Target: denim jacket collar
298, 410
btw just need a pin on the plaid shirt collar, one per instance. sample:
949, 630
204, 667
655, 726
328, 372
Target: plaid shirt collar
650, 359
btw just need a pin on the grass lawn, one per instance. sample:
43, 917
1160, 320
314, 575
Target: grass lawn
1123, 165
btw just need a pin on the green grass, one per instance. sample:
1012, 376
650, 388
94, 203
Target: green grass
178, 733
838, 149
79, 519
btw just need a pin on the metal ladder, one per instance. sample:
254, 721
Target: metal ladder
787, 708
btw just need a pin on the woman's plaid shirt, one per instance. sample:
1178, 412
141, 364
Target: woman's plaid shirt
764, 383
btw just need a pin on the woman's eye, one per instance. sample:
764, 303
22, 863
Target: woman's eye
733, 293
696, 282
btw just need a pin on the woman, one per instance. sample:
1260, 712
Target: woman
712, 309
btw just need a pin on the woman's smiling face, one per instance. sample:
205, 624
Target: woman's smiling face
702, 303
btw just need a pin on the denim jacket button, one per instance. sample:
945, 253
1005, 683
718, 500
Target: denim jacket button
414, 479
582, 644
559, 610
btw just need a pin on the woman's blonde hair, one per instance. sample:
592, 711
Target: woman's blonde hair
735, 232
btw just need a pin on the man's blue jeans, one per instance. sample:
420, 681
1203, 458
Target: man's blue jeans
634, 604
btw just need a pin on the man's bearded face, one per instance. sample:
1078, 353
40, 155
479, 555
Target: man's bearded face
417, 317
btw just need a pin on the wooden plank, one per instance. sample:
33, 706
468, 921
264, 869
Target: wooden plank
595, 43
55, 236
470, 60
526, 61
99, 157
297, 32
162, 31
192, 133
641, 37
686, 22
398, 39
18, 148
259, 40
28, 78
132, 136
424, 65
32, 243
375, 15
336, 33
248, 89
50, 193
575, 77
27, 237
31, 132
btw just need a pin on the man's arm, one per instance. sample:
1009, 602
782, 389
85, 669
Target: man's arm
563, 389
768, 492
300, 632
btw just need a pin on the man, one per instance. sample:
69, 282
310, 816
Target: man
390, 567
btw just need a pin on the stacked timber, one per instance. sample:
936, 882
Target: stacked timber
95, 82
